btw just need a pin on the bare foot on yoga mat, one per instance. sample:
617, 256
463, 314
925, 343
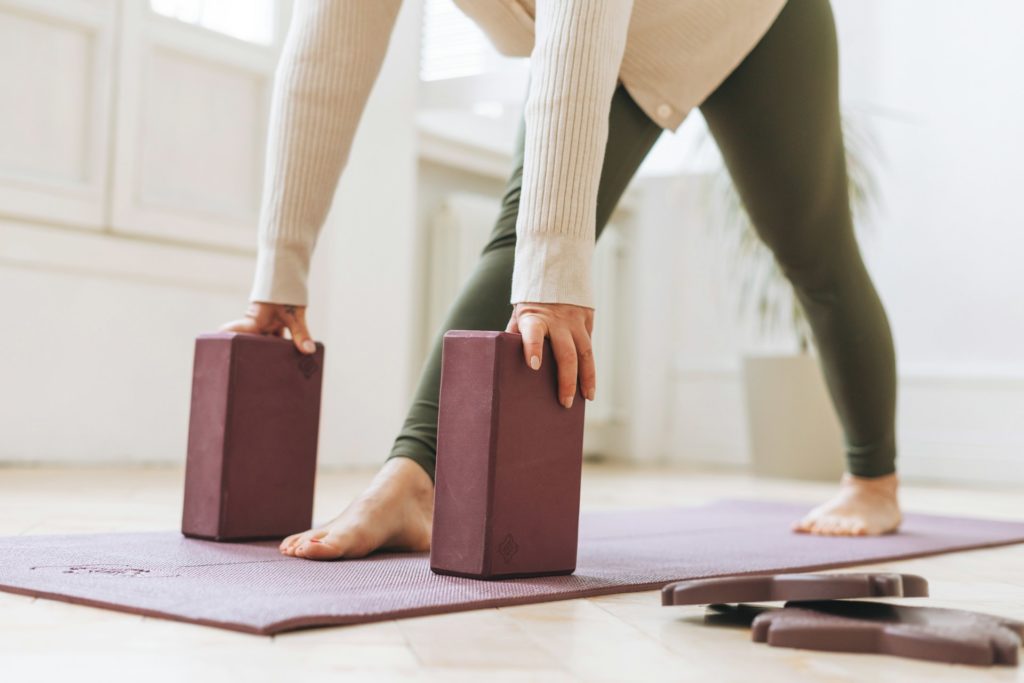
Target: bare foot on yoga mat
393, 513
863, 507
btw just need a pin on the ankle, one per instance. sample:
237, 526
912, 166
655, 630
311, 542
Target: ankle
886, 484
407, 474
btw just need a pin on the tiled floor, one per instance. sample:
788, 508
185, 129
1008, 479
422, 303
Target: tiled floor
614, 638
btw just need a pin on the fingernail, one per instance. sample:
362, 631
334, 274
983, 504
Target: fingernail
309, 346
535, 362
590, 395
567, 402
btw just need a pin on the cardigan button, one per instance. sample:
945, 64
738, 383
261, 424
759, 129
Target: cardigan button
663, 111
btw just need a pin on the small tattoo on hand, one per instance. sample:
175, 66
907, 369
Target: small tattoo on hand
290, 310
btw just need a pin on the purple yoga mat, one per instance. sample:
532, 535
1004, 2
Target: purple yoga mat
252, 588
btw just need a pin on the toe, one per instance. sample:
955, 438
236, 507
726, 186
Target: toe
838, 526
297, 540
844, 526
824, 527
855, 526
289, 542
323, 551
317, 549
804, 525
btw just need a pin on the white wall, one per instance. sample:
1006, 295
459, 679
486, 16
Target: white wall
103, 297
947, 84
96, 346
942, 88
365, 298
97, 365
947, 90
115, 247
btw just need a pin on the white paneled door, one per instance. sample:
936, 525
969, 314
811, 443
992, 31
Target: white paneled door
56, 71
191, 119
144, 118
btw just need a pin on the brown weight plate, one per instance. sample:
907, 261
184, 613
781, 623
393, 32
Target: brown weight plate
941, 635
769, 587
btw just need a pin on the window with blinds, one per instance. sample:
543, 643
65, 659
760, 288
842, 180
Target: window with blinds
468, 91
453, 46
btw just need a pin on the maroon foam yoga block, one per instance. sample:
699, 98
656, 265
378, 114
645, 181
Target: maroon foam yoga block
509, 458
252, 437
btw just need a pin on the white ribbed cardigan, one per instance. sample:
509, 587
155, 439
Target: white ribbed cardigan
669, 54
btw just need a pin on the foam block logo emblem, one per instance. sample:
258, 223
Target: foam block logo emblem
308, 366
508, 547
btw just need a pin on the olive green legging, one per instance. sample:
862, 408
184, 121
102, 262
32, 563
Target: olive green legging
776, 121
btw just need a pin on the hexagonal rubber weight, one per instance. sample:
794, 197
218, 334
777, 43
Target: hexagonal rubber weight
769, 587
940, 635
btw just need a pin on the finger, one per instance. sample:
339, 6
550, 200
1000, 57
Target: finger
589, 320
296, 323
247, 325
533, 329
301, 337
564, 350
587, 368
513, 324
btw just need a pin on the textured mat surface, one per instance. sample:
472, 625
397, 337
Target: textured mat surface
252, 588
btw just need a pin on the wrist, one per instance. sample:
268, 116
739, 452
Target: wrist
553, 269
282, 271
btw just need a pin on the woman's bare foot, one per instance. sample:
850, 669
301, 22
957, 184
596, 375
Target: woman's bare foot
394, 513
863, 507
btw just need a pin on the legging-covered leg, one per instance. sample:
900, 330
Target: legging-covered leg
483, 303
776, 120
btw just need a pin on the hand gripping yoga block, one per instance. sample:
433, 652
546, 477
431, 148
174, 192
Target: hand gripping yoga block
509, 459
252, 437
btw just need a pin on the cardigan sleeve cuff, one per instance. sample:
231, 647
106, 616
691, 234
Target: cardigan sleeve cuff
282, 272
552, 269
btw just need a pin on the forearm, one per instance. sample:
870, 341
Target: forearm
330, 61
573, 73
